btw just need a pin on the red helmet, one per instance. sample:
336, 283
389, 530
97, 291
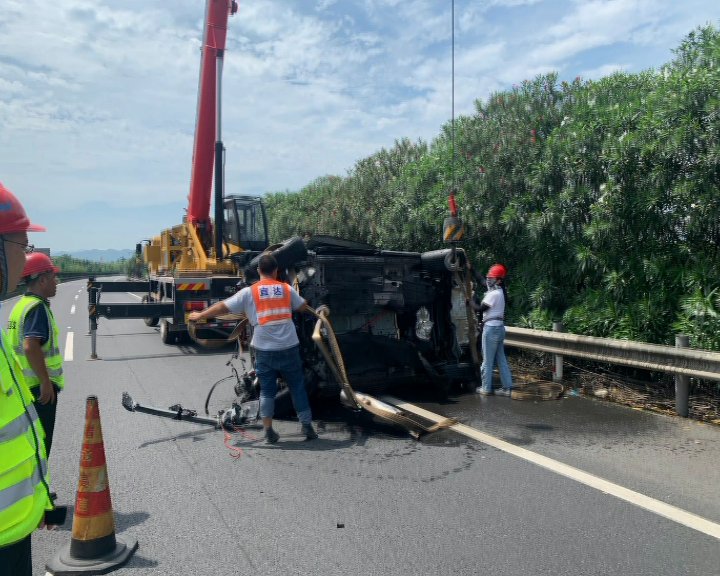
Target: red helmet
497, 271
37, 263
12, 215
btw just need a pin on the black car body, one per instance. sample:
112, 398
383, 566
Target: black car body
399, 317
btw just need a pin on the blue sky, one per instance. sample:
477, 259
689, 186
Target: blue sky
97, 97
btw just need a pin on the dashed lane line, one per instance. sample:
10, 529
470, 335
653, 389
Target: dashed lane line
72, 309
69, 347
636, 498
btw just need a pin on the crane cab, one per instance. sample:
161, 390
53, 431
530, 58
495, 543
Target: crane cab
245, 224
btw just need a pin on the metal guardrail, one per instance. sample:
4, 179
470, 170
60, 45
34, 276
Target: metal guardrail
62, 277
67, 276
685, 361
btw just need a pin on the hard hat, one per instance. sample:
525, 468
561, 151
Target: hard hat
497, 271
12, 215
36, 263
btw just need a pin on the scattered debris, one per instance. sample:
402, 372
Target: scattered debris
654, 396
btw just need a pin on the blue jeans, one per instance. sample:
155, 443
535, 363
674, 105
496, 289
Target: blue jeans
269, 364
493, 352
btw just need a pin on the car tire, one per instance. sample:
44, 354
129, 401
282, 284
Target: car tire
286, 253
442, 260
290, 251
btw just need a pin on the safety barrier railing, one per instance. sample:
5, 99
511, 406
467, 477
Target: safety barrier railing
680, 360
63, 277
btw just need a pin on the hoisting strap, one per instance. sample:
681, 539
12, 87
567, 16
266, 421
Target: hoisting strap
415, 424
241, 319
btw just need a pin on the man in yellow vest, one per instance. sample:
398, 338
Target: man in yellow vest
35, 336
24, 478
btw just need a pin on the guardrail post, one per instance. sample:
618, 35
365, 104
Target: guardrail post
682, 382
558, 359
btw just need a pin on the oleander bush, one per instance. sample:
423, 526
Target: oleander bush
602, 197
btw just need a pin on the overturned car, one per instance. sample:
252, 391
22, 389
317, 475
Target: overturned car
399, 318
396, 319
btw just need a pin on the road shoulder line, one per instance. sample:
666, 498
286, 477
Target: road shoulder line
658, 507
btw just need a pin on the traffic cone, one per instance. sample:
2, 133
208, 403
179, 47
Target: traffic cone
93, 547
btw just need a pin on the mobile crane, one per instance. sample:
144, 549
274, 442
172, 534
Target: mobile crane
398, 318
199, 260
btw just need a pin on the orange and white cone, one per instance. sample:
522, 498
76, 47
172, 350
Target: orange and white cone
93, 548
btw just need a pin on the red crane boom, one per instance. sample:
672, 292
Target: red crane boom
206, 128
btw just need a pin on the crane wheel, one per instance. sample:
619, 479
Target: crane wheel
166, 335
152, 320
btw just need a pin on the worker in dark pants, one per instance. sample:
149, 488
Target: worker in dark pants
24, 479
268, 305
35, 337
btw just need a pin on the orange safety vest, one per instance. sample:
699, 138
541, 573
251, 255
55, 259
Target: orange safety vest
272, 301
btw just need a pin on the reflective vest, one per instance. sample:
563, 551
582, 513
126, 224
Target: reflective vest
51, 348
272, 302
24, 478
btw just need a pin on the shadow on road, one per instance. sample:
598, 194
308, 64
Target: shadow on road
123, 521
195, 436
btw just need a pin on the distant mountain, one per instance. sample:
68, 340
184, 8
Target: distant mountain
99, 255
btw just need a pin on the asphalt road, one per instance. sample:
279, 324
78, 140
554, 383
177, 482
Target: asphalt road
368, 499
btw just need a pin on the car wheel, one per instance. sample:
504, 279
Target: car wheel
442, 260
290, 251
286, 253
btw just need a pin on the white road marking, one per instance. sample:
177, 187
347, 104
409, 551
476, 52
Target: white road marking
72, 309
135, 296
76, 296
636, 498
69, 347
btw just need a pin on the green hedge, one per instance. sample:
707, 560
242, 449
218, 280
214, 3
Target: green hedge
602, 197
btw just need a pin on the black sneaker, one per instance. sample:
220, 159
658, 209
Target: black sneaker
309, 432
271, 436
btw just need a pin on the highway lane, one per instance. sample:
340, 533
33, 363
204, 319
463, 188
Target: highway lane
664, 457
370, 500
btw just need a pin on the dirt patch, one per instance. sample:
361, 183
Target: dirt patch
640, 390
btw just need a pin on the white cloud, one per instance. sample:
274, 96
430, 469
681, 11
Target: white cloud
97, 97
324, 4
606, 18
